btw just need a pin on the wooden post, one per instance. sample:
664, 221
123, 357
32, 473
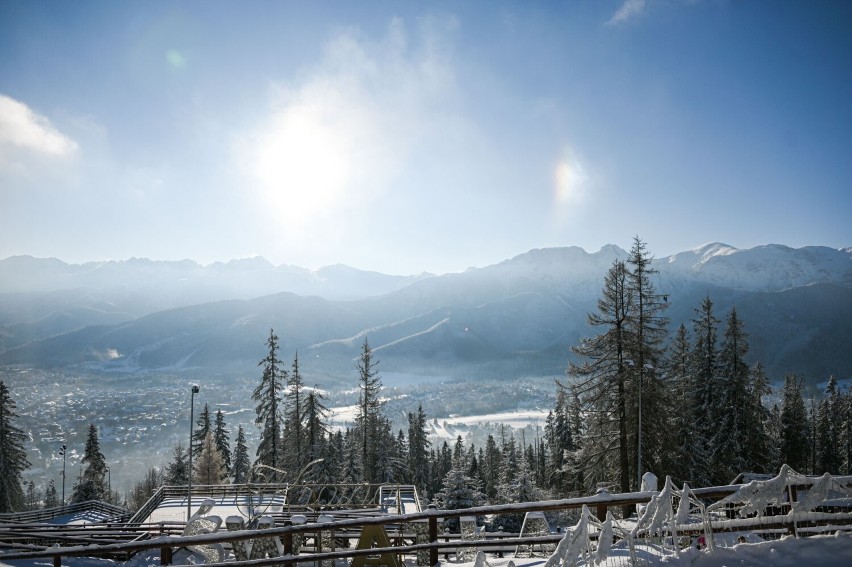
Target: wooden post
165, 556
57, 561
600, 511
433, 537
288, 548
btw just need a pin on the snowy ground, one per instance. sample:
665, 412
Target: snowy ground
817, 551
174, 509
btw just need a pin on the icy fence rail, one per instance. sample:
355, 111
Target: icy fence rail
669, 515
662, 524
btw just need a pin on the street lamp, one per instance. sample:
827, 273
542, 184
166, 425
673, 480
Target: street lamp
62, 452
191, 420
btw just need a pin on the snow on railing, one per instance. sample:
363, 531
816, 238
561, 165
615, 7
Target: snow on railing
590, 542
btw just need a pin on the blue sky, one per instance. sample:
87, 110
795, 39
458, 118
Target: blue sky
420, 136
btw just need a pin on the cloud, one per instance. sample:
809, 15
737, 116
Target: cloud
23, 129
629, 10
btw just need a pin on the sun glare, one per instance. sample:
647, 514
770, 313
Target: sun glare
303, 165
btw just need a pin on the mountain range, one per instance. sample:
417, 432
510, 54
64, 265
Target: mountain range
516, 318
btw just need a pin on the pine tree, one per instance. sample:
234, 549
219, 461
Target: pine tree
560, 442
761, 450
735, 416
368, 421
203, 427
210, 467
328, 471
51, 499
647, 330
222, 440
92, 482
389, 458
600, 382
490, 466
352, 471
794, 425
268, 409
13, 457
458, 490
177, 471
704, 369
316, 425
830, 419
294, 435
418, 449
846, 432
242, 464
684, 461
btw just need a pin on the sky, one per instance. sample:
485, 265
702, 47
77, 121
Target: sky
405, 137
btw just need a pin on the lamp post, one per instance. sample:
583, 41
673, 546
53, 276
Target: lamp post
109, 485
62, 452
191, 420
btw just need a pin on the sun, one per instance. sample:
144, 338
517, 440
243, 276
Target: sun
304, 165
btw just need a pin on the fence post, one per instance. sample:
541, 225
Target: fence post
288, 548
57, 561
433, 536
165, 556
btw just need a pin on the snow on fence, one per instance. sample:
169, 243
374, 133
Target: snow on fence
670, 521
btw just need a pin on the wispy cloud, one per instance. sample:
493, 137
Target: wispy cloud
23, 129
629, 10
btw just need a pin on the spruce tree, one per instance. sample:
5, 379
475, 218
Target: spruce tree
705, 405
267, 394
294, 435
91, 485
846, 432
316, 424
418, 449
222, 439
177, 471
13, 457
830, 420
389, 460
241, 464
203, 427
601, 382
490, 466
647, 331
51, 499
761, 450
368, 420
352, 471
794, 425
683, 457
458, 489
736, 418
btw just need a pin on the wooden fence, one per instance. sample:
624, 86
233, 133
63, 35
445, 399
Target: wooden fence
401, 531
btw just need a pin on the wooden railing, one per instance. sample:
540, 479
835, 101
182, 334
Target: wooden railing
403, 530
109, 511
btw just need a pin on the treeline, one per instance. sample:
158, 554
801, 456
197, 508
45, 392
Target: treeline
636, 399
687, 406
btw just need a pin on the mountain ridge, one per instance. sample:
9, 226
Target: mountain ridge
513, 318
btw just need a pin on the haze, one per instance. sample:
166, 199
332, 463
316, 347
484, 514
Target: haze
403, 137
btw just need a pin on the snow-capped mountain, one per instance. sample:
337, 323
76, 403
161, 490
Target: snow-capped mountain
515, 318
